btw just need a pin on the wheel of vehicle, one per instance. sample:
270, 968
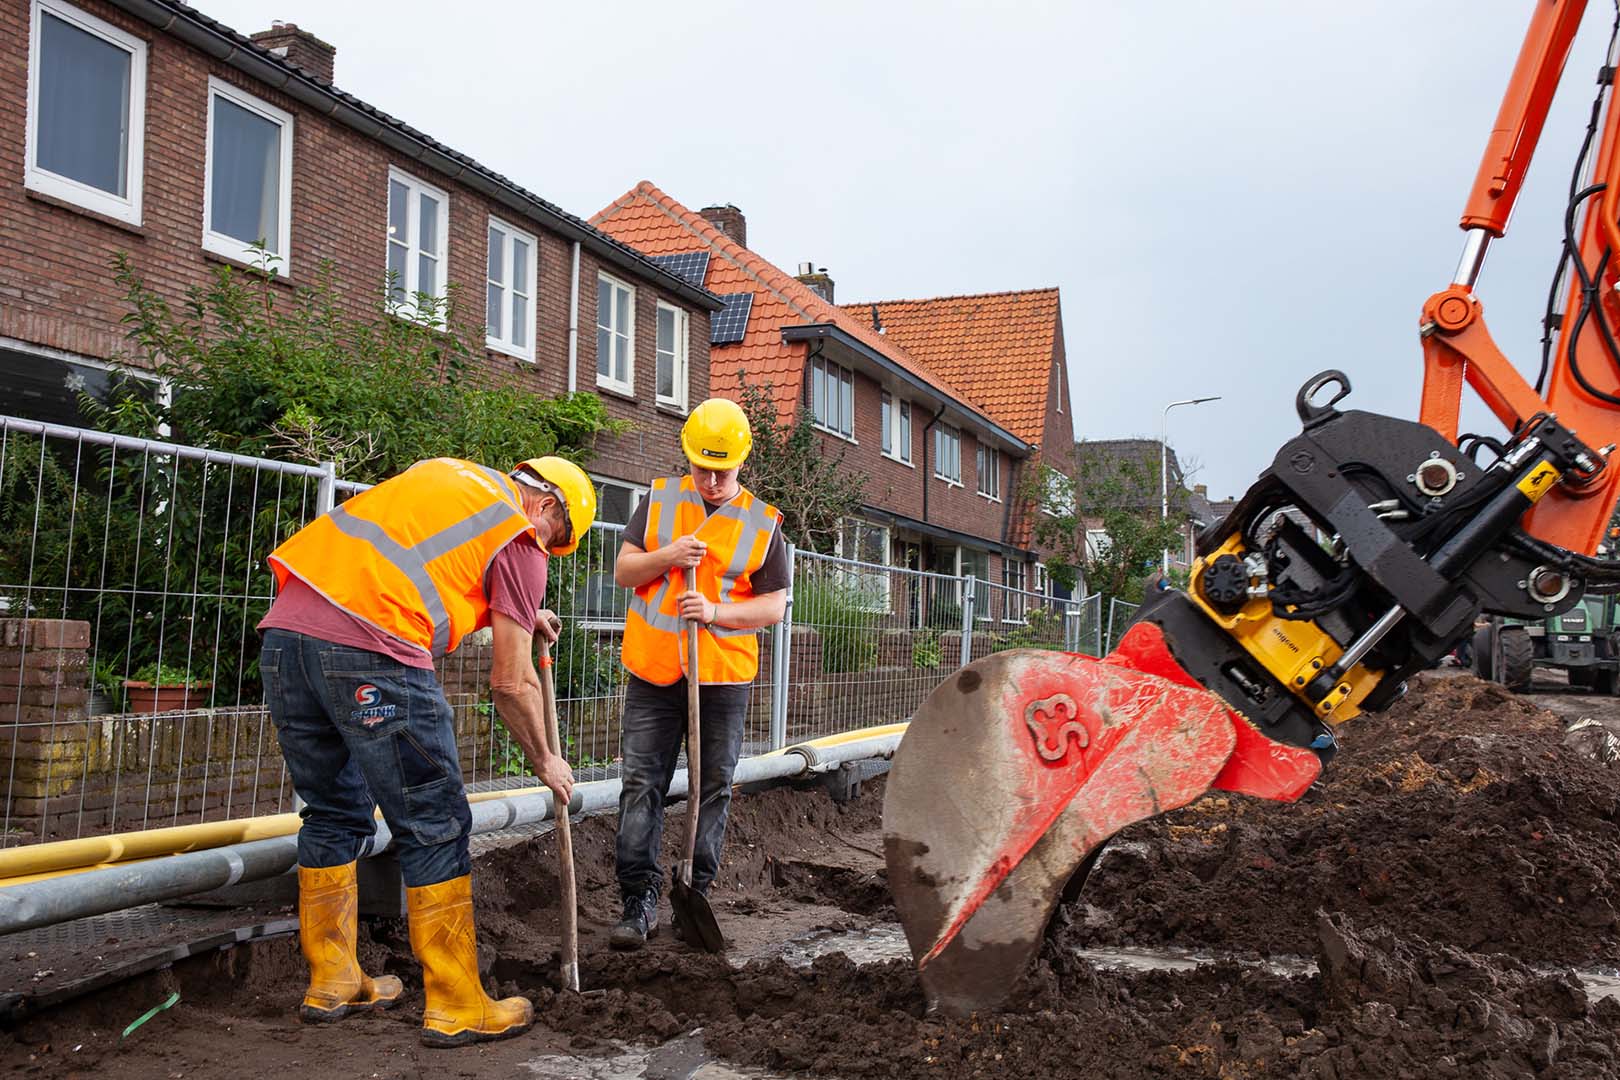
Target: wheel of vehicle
1584, 677
1515, 658
1482, 652
1604, 682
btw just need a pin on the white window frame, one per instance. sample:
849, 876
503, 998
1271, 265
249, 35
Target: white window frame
408, 308
1057, 376
1048, 497
896, 422
680, 359
121, 208
637, 493
991, 457
1017, 595
502, 343
871, 585
229, 246
941, 432
1097, 543
981, 597
834, 374
628, 385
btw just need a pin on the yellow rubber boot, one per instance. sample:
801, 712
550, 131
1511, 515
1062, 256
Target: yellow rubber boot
328, 905
446, 943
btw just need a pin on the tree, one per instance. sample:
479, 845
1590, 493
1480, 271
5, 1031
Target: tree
790, 469
1102, 522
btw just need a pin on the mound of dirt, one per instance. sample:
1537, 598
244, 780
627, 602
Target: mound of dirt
1456, 816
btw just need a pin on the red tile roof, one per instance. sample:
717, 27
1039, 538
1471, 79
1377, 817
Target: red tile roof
997, 347
653, 223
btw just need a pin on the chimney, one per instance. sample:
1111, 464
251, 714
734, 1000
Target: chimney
1202, 490
729, 220
819, 282
298, 47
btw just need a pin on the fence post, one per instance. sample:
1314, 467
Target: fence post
968, 581
781, 657
326, 490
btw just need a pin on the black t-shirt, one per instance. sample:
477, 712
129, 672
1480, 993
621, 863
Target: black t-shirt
772, 576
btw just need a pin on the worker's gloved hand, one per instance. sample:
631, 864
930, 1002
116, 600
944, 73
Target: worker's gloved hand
556, 775
697, 607
548, 625
686, 551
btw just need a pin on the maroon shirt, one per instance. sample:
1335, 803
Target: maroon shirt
515, 585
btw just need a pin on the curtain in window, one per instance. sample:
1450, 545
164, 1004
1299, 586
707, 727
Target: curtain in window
83, 124
245, 197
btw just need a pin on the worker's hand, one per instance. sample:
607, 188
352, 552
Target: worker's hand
698, 608
547, 626
556, 775
685, 551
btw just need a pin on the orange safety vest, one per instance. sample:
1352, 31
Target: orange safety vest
409, 555
738, 534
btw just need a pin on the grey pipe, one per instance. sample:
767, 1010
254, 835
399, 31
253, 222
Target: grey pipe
96, 892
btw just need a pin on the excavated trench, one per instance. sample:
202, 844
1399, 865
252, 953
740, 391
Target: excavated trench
1456, 862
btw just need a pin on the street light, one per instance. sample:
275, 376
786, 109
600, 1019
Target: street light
1164, 465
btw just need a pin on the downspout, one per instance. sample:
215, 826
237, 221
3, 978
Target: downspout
573, 324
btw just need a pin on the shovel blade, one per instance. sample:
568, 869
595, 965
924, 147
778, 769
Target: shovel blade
1011, 775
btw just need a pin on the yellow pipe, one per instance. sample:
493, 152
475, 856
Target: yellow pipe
38, 862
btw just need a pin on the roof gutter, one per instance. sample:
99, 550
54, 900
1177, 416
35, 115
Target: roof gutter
831, 331
188, 27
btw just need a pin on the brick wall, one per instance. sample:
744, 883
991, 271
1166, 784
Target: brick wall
56, 288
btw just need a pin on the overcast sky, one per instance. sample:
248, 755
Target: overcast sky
1231, 196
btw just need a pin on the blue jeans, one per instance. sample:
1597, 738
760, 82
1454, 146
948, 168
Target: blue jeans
654, 728
357, 727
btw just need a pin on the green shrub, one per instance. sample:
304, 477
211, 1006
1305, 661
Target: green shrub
926, 651
164, 675
842, 616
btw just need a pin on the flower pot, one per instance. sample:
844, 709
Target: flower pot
145, 697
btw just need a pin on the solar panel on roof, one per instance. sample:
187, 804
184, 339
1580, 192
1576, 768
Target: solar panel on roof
691, 265
727, 326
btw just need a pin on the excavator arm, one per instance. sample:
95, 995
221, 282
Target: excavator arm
1363, 554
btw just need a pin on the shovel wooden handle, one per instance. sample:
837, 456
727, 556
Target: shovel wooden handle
694, 764
565, 836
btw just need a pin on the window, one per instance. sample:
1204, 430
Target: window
977, 563
989, 473
1058, 498
247, 187
896, 428
1057, 381
948, 454
832, 398
86, 111
615, 334
509, 291
671, 355
1014, 578
866, 543
1097, 543
418, 244
616, 501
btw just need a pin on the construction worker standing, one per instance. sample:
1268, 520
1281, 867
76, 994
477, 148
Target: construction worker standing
708, 521
368, 596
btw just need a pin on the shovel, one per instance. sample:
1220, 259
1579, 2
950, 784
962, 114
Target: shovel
565, 838
690, 906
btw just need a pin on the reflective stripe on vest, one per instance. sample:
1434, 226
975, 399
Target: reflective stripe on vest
653, 643
451, 598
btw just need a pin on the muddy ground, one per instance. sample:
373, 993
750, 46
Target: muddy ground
1456, 862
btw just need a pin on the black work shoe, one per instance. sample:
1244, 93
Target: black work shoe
640, 922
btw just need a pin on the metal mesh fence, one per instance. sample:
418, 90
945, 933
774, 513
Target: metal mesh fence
133, 576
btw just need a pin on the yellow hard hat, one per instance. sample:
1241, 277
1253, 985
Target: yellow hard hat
570, 484
717, 435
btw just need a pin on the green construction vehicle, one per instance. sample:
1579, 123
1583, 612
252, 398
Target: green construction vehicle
1583, 641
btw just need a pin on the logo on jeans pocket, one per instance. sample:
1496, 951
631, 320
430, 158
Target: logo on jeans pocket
370, 714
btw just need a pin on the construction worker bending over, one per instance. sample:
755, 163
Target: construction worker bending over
704, 520
368, 596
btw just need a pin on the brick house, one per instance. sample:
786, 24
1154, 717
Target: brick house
1136, 462
144, 126
941, 470
1005, 351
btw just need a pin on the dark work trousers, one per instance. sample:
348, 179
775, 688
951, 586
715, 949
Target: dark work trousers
654, 728
357, 726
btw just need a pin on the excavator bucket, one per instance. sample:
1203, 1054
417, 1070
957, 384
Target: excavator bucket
1017, 769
